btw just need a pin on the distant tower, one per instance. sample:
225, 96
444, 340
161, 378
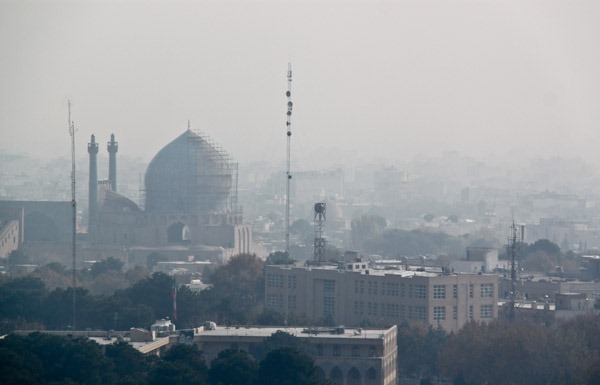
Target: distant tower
517, 234
93, 187
112, 148
288, 171
320, 210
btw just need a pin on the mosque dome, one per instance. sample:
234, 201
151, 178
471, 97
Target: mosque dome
189, 175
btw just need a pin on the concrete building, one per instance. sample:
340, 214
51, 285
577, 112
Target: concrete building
345, 356
358, 295
479, 260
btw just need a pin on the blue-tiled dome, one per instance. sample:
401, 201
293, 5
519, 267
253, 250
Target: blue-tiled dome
188, 176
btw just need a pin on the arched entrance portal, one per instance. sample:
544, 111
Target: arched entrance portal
178, 233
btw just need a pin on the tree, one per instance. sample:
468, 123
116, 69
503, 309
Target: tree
181, 365
233, 367
109, 264
287, 366
428, 217
279, 258
153, 258
279, 340
155, 292
238, 289
366, 227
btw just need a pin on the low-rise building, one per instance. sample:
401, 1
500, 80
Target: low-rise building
345, 356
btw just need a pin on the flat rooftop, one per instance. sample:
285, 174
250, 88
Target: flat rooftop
302, 332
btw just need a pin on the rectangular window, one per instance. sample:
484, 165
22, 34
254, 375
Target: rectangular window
375, 287
471, 289
291, 301
337, 350
328, 306
439, 291
383, 287
454, 291
329, 286
355, 351
420, 312
487, 290
410, 291
470, 311
292, 281
328, 297
439, 313
355, 287
487, 311
274, 300
454, 312
402, 290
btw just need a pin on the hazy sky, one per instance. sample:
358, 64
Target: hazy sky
387, 79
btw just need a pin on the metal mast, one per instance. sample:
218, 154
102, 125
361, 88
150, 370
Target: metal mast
74, 206
513, 239
288, 172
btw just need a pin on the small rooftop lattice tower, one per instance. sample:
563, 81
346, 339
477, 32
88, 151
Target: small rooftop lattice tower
320, 210
517, 235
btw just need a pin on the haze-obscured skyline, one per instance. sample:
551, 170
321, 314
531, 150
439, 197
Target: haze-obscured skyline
384, 80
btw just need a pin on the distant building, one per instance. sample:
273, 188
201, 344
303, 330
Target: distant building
345, 356
479, 260
357, 295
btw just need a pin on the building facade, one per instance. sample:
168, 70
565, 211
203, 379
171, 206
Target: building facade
358, 295
345, 356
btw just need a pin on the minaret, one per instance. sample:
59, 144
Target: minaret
112, 148
93, 188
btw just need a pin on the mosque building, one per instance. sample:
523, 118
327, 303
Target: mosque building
190, 209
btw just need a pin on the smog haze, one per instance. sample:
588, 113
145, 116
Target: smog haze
371, 80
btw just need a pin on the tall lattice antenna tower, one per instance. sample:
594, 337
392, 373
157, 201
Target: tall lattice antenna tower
517, 235
288, 172
74, 206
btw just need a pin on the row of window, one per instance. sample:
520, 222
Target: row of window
417, 291
336, 350
415, 312
277, 280
275, 301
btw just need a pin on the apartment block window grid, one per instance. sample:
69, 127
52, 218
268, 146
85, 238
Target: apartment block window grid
454, 291
291, 301
487, 311
439, 313
439, 291
421, 291
292, 281
487, 290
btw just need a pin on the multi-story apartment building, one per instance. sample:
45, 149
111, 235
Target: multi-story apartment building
357, 295
345, 356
